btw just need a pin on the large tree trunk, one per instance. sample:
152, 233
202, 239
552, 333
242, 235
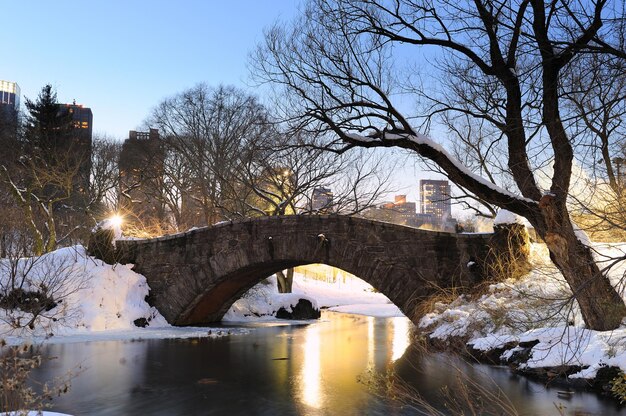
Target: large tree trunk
285, 283
601, 306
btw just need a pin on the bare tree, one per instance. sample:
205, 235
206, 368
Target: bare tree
596, 100
279, 175
208, 128
30, 185
104, 176
595, 106
335, 66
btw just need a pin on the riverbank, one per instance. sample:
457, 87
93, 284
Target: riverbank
532, 325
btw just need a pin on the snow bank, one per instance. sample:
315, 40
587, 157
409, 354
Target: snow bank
353, 296
91, 295
567, 345
532, 309
95, 300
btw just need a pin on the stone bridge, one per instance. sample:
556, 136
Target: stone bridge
196, 276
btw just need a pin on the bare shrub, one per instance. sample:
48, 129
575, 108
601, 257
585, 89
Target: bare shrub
503, 305
33, 290
618, 387
17, 396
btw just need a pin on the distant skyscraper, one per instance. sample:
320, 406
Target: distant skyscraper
9, 102
82, 119
435, 199
322, 199
10, 94
9, 110
78, 146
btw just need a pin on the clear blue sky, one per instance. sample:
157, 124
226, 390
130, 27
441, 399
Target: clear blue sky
120, 58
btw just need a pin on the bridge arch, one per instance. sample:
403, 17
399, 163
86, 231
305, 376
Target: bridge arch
196, 276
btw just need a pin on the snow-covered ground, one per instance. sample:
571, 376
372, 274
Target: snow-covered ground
95, 301
536, 307
352, 296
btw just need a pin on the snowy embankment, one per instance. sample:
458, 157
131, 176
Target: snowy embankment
354, 296
534, 316
93, 301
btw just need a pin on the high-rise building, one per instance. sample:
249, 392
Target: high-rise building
9, 103
82, 119
10, 94
9, 110
322, 199
397, 212
435, 200
141, 173
79, 144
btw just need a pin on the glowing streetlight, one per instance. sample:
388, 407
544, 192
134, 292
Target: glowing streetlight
116, 221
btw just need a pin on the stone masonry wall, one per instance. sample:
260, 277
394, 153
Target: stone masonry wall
196, 276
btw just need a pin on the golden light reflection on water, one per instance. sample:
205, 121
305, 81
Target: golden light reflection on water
332, 354
310, 375
401, 337
371, 345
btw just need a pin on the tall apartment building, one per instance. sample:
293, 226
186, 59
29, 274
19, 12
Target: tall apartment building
322, 199
10, 94
141, 174
435, 200
9, 104
9, 110
79, 144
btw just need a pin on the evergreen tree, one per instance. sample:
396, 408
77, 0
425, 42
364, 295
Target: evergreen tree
47, 129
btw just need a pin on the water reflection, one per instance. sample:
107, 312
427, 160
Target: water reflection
305, 370
310, 375
334, 353
370, 342
401, 337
